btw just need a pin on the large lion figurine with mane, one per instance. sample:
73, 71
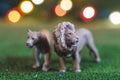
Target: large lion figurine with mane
68, 42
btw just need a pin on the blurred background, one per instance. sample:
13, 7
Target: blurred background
48, 10
101, 17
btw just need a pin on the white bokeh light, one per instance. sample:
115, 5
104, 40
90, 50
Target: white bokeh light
115, 17
88, 12
26, 6
66, 4
37, 2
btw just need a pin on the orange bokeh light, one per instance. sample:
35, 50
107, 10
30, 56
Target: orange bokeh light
60, 12
13, 16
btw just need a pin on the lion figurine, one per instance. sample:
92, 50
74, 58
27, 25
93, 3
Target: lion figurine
68, 42
41, 44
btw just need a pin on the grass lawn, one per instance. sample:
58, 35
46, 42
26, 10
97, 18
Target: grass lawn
16, 59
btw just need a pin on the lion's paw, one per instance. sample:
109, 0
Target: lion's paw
36, 66
77, 70
45, 68
62, 70
97, 59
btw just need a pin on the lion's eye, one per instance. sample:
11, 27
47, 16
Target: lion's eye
70, 33
33, 38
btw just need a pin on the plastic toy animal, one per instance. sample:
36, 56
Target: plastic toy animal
68, 42
40, 42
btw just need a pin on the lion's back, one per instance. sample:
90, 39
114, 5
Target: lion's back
83, 32
44, 39
84, 35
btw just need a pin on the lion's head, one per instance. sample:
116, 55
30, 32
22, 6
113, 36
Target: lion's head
65, 35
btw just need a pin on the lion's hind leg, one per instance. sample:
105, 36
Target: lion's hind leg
46, 61
93, 50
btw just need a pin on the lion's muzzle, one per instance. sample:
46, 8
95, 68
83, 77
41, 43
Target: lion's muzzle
75, 42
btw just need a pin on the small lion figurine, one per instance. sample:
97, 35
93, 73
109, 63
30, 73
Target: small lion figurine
40, 42
68, 42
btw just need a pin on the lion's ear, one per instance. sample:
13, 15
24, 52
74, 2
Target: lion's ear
29, 31
70, 26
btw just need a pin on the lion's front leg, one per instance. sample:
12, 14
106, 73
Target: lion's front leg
76, 62
46, 62
62, 64
36, 58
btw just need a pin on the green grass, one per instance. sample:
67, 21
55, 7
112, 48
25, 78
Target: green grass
16, 59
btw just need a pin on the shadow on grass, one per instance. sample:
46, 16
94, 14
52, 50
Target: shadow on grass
17, 64
24, 64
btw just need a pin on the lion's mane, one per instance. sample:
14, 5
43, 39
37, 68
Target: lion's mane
59, 34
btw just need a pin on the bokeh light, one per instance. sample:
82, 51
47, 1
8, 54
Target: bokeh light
115, 17
37, 2
26, 6
88, 13
66, 4
60, 12
13, 16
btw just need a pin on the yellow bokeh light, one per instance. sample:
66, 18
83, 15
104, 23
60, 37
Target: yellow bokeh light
66, 4
26, 6
60, 12
13, 16
37, 2
115, 17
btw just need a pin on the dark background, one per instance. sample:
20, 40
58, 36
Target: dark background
46, 9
